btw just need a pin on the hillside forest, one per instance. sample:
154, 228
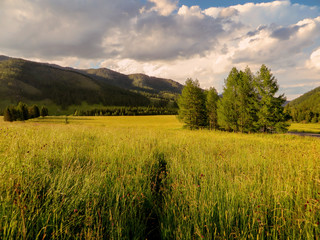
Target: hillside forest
305, 108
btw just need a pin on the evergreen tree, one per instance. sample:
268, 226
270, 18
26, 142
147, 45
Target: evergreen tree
237, 110
212, 105
44, 111
16, 115
34, 111
192, 105
247, 102
22, 109
228, 111
271, 116
7, 115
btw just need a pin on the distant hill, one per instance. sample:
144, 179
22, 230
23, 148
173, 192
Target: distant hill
149, 86
306, 107
52, 85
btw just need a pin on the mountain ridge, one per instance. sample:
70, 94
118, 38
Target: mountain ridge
306, 107
45, 83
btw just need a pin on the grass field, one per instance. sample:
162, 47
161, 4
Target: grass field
148, 178
305, 127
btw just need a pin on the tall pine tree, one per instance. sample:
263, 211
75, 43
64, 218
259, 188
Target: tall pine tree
228, 111
212, 105
237, 108
271, 116
192, 105
247, 102
7, 115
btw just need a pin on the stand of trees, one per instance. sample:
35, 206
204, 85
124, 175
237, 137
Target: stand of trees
23, 112
304, 115
305, 108
127, 111
248, 104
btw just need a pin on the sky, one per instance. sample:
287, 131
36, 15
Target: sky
176, 39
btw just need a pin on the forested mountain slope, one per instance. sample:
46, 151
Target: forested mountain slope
32, 82
306, 107
148, 86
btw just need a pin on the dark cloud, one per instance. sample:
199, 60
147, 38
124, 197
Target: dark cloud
104, 29
63, 28
159, 37
257, 31
284, 33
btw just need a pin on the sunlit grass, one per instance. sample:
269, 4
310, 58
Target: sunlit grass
131, 177
155, 122
305, 127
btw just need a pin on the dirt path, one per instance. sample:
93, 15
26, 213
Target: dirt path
305, 134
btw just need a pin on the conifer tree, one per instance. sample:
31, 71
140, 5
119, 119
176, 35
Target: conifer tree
247, 102
22, 109
228, 111
212, 105
192, 105
238, 107
34, 111
271, 116
44, 111
7, 115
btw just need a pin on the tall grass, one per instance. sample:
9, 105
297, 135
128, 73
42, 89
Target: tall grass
120, 180
305, 127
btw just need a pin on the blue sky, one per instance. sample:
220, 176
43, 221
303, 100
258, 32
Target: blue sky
176, 39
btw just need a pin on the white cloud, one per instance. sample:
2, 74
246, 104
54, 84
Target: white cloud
159, 39
164, 7
194, 11
314, 61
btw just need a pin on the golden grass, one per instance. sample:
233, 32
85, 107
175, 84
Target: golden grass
95, 178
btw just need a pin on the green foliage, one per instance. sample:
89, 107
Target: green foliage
7, 115
211, 106
237, 108
21, 112
34, 111
127, 111
156, 88
227, 107
249, 103
44, 111
192, 105
22, 109
271, 116
32, 82
305, 108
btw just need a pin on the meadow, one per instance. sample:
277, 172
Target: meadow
148, 178
305, 127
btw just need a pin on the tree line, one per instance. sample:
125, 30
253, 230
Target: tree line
248, 104
304, 115
23, 112
305, 108
127, 111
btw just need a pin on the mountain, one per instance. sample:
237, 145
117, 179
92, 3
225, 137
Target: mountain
306, 107
60, 88
148, 86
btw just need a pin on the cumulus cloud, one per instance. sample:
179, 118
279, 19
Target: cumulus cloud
158, 38
314, 61
282, 44
164, 7
62, 28
280, 12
